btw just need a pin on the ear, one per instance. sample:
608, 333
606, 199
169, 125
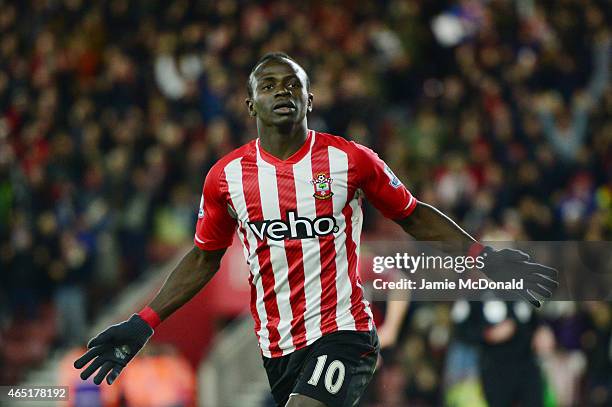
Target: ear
310, 99
250, 107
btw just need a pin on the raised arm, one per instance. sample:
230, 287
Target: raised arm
112, 349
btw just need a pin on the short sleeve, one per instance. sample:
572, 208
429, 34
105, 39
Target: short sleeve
215, 226
381, 187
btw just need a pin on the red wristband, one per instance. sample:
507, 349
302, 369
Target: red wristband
150, 316
475, 250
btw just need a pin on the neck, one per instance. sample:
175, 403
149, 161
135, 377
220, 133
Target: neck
282, 142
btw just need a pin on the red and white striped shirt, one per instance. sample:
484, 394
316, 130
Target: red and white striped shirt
299, 221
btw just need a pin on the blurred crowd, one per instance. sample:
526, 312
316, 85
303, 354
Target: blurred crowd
478, 354
112, 112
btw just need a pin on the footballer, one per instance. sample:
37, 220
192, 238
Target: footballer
293, 196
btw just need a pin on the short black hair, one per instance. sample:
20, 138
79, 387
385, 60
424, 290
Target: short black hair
272, 56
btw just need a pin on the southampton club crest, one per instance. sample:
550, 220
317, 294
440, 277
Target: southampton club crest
322, 186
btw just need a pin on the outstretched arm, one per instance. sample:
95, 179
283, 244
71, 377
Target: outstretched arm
426, 223
429, 224
111, 350
192, 273
387, 193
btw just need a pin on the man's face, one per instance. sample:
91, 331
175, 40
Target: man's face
280, 94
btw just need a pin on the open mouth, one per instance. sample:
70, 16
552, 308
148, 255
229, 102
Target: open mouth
284, 107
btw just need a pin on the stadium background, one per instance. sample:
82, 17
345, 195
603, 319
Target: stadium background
497, 112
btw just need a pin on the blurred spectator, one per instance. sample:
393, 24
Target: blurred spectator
596, 341
462, 368
509, 370
159, 377
567, 136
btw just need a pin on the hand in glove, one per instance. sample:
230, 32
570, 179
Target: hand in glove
113, 349
508, 264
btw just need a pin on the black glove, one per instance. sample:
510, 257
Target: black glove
113, 348
508, 264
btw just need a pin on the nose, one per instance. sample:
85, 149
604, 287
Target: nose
282, 91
